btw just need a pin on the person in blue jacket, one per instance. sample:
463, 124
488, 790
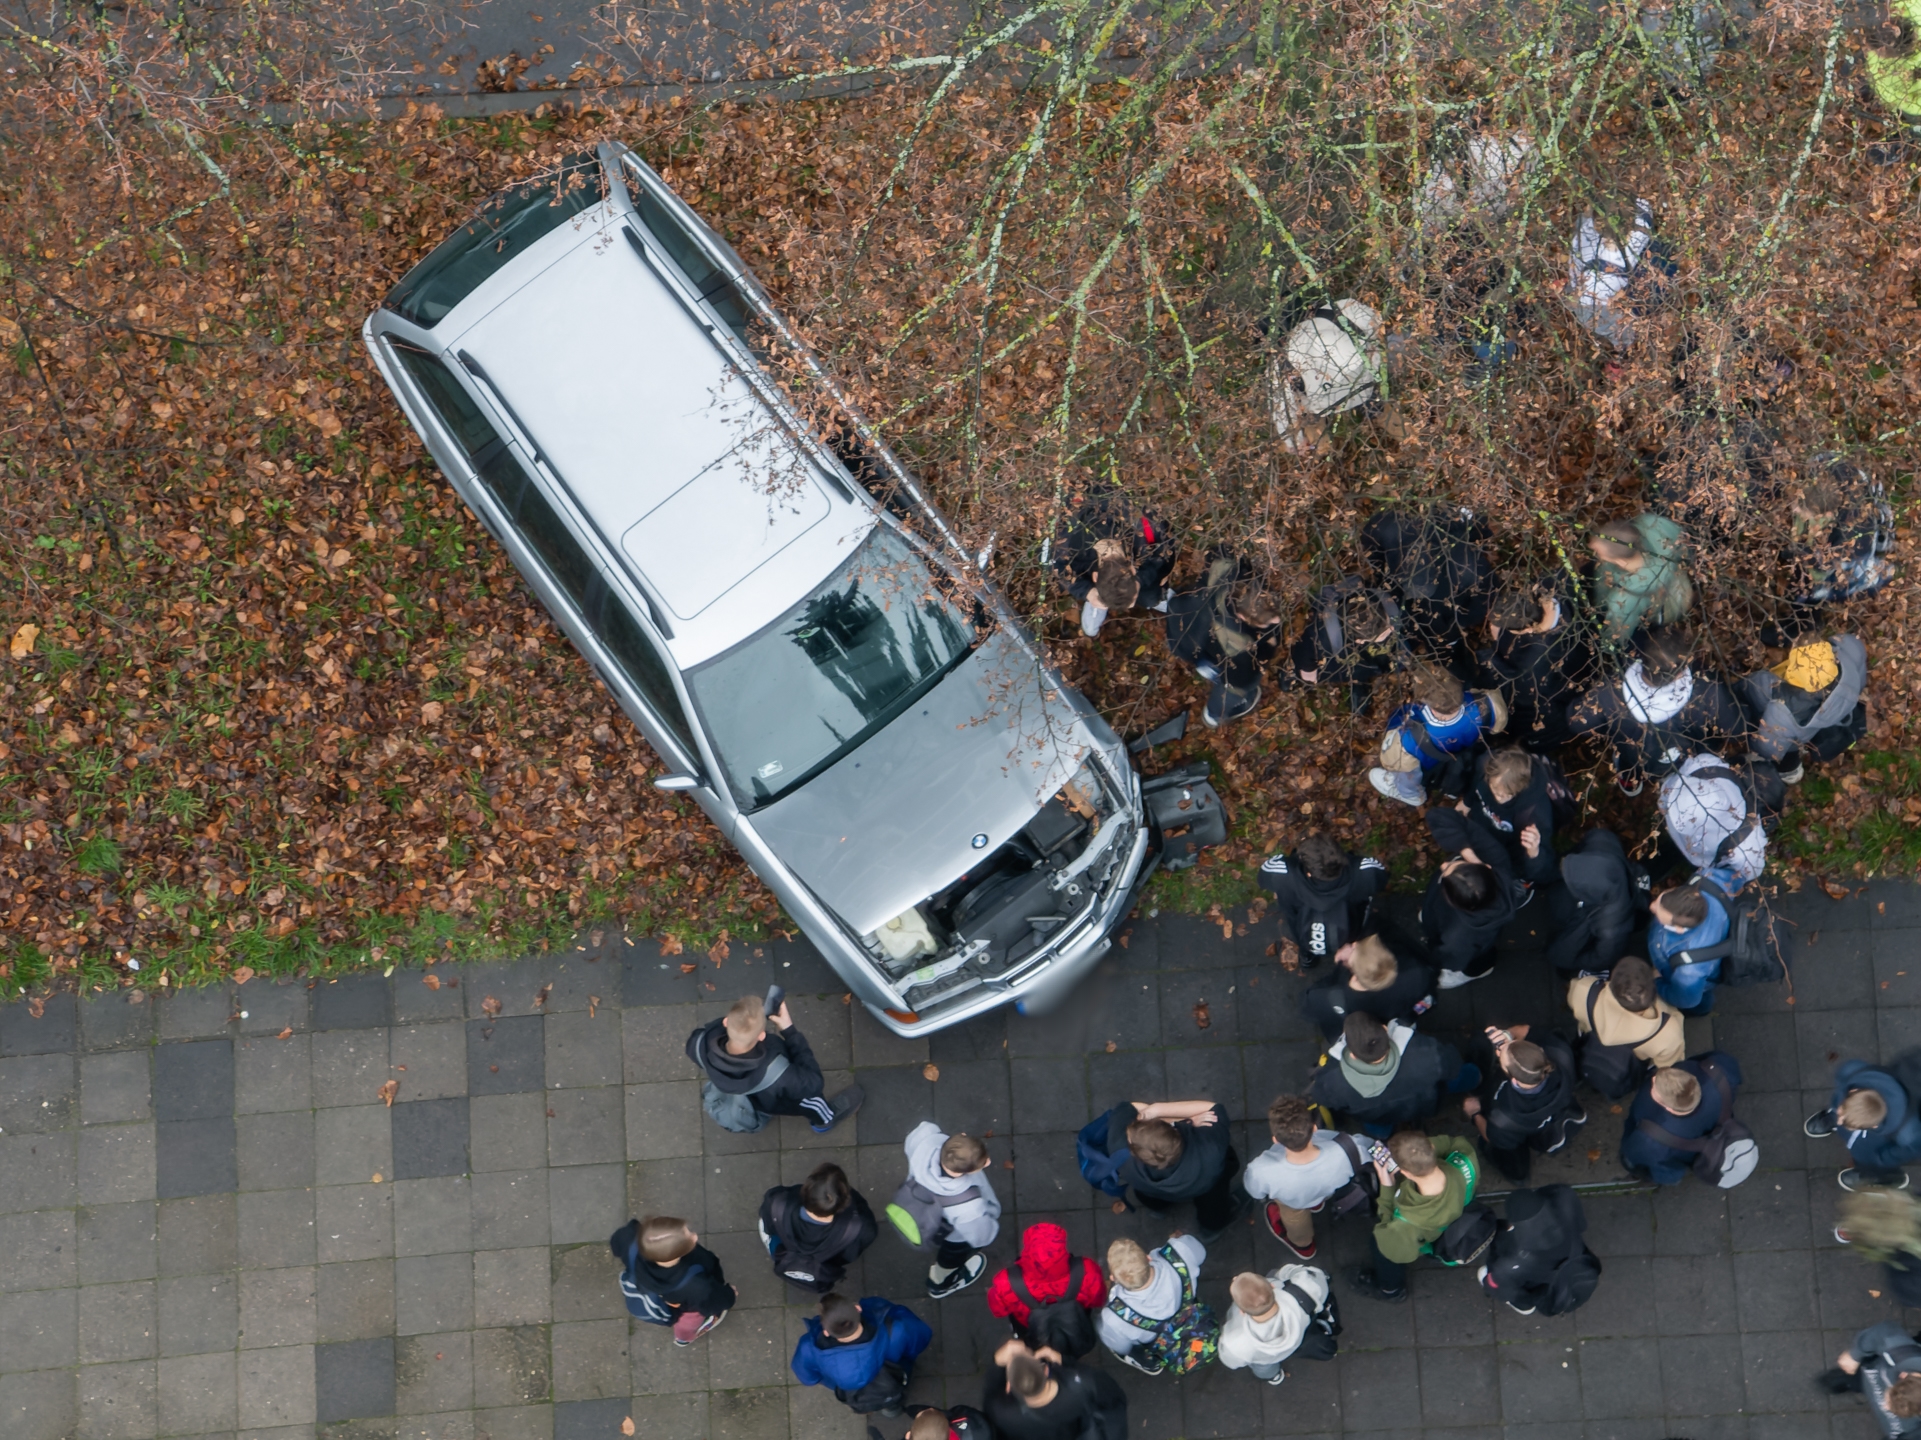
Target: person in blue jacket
1681, 922
1683, 1101
1440, 722
864, 1353
1882, 1125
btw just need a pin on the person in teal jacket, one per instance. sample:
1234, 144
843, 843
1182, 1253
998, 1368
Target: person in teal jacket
1640, 575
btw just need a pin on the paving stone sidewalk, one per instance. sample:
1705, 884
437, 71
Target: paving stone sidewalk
211, 1224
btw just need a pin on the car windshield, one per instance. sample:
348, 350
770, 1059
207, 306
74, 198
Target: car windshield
502, 231
804, 692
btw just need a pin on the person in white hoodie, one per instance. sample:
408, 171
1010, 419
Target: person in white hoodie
947, 1203
1286, 1313
1709, 820
1147, 1291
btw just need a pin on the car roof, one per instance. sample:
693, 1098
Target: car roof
659, 432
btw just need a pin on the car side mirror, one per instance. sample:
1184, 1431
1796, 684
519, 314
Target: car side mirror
678, 782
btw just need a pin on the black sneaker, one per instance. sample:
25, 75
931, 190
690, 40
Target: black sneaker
1819, 1126
1225, 703
843, 1105
969, 1271
1145, 1369
1361, 1280
1522, 892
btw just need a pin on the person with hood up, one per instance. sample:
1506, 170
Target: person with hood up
1809, 700
1332, 362
1352, 638
1607, 276
1227, 630
1321, 894
1368, 977
1113, 557
1272, 1319
1380, 1076
1882, 1125
1640, 575
1437, 567
1658, 712
952, 1171
1883, 1363
816, 1229
773, 1067
1034, 1395
1539, 1261
1045, 1274
1540, 658
864, 1353
1710, 823
1469, 903
1682, 1102
1592, 912
1532, 1109
1179, 1150
1425, 1191
1683, 920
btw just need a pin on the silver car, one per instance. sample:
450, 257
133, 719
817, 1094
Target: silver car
796, 630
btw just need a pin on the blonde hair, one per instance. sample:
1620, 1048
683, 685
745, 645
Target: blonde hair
1511, 769
1374, 965
1252, 1293
1677, 1090
745, 1019
1862, 1110
1127, 1263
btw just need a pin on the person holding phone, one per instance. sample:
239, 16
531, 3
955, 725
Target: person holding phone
1532, 1109
761, 1054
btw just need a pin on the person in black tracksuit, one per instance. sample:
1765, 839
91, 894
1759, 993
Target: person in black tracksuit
1030, 1397
1541, 658
1595, 912
1180, 1150
1135, 542
1353, 637
816, 1229
1531, 1109
1510, 792
1884, 1364
1541, 1233
1227, 629
1444, 578
736, 1052
1322, 893
664, 1260
1372, 976
1471, 900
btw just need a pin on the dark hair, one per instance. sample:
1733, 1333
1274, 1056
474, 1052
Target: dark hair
1290, 1120
1366, 1037
622, 1240
1321, 858
1688, 906
1528, 1062
1904, 1397
1472, 886
1665, 653
839, 1316
1155, 1143
1631, 982
1026, 1376
1438, 689
1362, 619
826, 1191
1516, 610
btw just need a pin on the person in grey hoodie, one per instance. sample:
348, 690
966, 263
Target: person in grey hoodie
949, 1172
1808, 699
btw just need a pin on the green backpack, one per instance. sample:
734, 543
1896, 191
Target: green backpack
1185, 1340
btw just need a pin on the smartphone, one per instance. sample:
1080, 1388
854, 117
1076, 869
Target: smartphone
776, 997
1384, 1157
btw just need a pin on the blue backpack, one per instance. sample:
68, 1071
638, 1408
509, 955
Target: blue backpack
645, 1304
1098, 1168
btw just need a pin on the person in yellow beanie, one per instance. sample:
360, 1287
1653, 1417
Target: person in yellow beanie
1808, 699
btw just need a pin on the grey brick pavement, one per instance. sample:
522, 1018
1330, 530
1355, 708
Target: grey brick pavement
210, 1224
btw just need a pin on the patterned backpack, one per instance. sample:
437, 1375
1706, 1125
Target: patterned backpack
1185, 1340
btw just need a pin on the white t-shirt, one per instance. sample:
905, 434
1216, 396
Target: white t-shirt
1272, 1176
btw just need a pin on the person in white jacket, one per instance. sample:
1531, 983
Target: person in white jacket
1600, 270
1709, 821
1147, 1290
947, 1176
1270, 1319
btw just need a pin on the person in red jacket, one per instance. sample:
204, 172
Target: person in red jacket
1049, 1273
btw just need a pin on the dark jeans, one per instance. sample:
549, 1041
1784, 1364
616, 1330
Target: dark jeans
951, 1254
1390, 1275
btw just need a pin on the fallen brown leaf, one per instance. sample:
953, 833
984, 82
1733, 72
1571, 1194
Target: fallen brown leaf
688, 969
1119, 1207
540, 999
670, 945
432, 982
490, 1007
1834, 891
627, 1426
1112, 1046
718, 952
1875, 1293
930, 1071
285, 1034
36, 1006
593, 1006
242, 974
388, 1091
1202, 1019
1593, 1154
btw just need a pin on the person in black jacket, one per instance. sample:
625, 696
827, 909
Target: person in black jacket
1884, 1363
1471, 900
1227, 630
816, 1229
662, 1261
1510, 793
775, 1069
1180, 1150
1352, 638
1532, 1108
1595, 912
1659, 712
1033, 1395
1369, 977
1541, 1234
1380, 1076
1444, 578
1322, 894
1541, 659
1112, 557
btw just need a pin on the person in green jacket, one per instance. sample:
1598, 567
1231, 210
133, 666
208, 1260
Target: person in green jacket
1423, 1192
1640, 575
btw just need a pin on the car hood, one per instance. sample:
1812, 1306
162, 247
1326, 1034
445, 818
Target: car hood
896, 820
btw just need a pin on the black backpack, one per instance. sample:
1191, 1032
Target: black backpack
1576, 1277
802, 1266
1063, 1324
1560, 794
1614, 1070
1364, 1189
1467, 1240
1754, 952
1320, 1341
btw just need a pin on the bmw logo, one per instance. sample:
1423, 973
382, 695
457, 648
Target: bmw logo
980, 841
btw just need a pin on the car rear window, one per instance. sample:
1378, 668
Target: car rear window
502, 231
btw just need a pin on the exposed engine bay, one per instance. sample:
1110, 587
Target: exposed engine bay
1010, 911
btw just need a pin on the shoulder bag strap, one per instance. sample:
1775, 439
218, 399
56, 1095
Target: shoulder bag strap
1670, 1139
1129, 1315
776, 1068
1018, 1284
1180, 1269
1353, 1151
1734, 839
1424, 743
1726, 1090
1308, 1307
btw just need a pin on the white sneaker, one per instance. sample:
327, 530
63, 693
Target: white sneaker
1092, 617
1382, 781
1794, 776
1162, 606
1279, 1379
1455, 979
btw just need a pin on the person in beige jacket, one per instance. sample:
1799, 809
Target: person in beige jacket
1627, 1011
